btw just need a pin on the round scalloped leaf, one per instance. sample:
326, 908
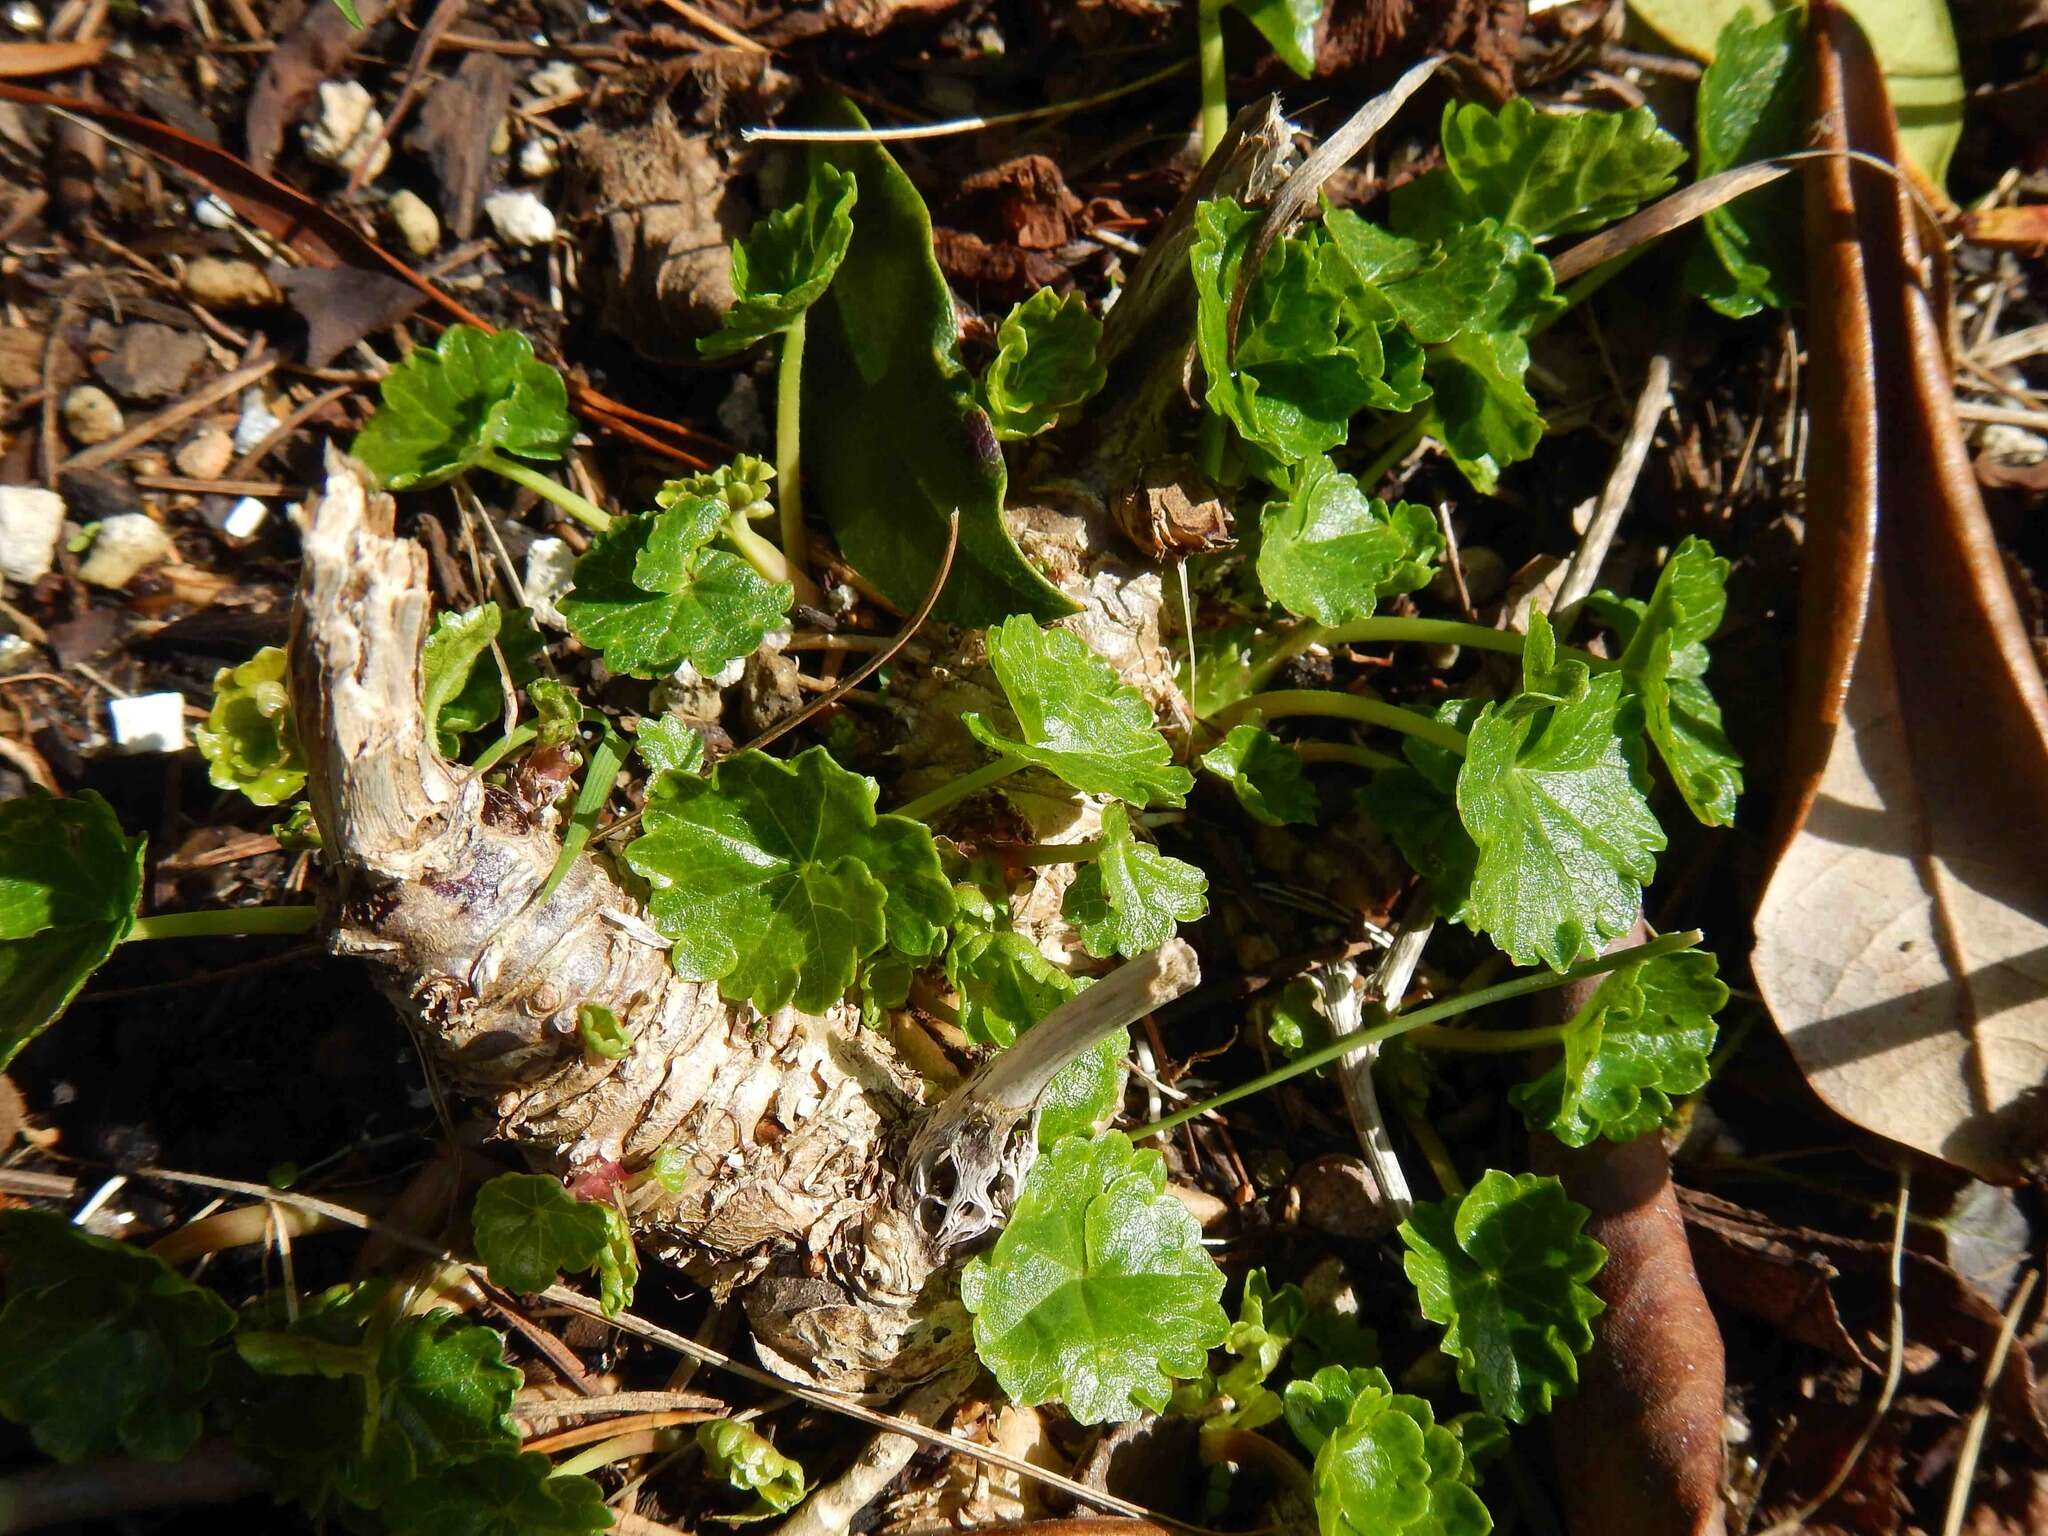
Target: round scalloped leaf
472, 393
250, 740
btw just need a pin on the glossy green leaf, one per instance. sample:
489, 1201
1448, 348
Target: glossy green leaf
776, 880
1665, 662
1642, 1039
1099, 1292
1546, 173
1752, 106
666, 745
748, 1461
1318, 1404
1266, 776
893, 439
1288, 26
103, 1349
1132, 898
786, 262
1045, 365
1391, 1468
445, 407
1552, 799
1085, 1094
1075, 718
453, 688
250, 740
529, 1229
1504, 1270
1329, 552
1268, 1318
70, 880
509, 1494
1482, 409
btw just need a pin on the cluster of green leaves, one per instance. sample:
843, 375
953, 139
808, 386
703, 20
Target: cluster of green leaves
1434, 310
70, 884
348, 1401
453, 406
529, 1231
250, 740
1382, 1462
747, 1460
1045, 367
786, 262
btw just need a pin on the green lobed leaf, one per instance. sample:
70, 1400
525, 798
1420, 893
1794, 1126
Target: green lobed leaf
1552, 800
1329, 552
448, 668
1085, 1094
1504, 1270
103, 1349
1132, 897
743, 484
1288, 26
1752, 106
472, 393
529, 1229
1045, 365
893, 440
776, 879
1546, 173
1643, 1038
1317, 1405
1266, 776
747, 1460
1481, 408
509, 1494
1390, 1467
1099, 1292
1267, 1321
1416, 805
250, 740
70, 881
1665, 662
1076, 718
651, 593
786, 261
666, 745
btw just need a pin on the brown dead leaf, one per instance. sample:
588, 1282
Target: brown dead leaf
24, 61
1902, 937
1025, 201
994, 274
342, 305
2022, 228
454, 133
319, 45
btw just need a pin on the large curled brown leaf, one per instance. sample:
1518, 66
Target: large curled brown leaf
1902, 937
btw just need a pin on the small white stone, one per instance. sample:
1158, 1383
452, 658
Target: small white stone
556, 79
2010, 444
520, 218
230, 284
244, 518
125, 546
348, 126
91, 416
536, 158
206, 454
149, 722
418, 228
501, 136
24, 17
31, 520
550, 569
16, 654
212, 213
258, 421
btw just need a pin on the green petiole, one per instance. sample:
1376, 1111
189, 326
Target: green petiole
225, 922
1434, 1037
789, 456
606, 758
1344, 706
1215, 82
1344, 752
1450, 1007
925, 806
584, 510
505, 746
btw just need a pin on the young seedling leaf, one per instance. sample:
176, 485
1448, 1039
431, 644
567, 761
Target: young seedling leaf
1553, 802
1390, 1467
103, 1349
1267, 1321
509, 1494
1329, 552
776, 879
1504, 1270
448, 667
618, 1267
601, 1032
1045, 365
1752, 105
1077, 719
746, 1459
894, 442
1289, 28
250, 740
445, 408
1546, 173
1265, 774
1665, 662
666, 745
1318, 1404
529, 1229
786, 262
1642, 1039
1099, 1292
70, 880
651, 593
1132, 897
